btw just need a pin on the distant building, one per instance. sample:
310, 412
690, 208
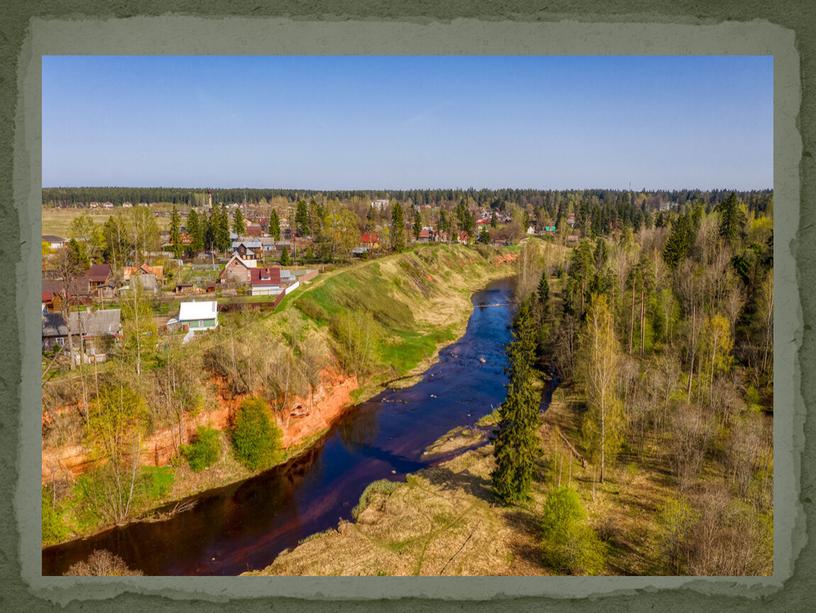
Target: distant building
54, 242
426, 235
370, 240
248, 250
380, 203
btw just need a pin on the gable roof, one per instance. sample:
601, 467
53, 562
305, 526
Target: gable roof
52, 238
235, 258
204, 309
249, 244
50, 287
104, 322
265, 276
144, 269
98, 273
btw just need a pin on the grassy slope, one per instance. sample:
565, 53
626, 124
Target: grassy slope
420, 300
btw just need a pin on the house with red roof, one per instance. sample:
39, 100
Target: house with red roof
271, 281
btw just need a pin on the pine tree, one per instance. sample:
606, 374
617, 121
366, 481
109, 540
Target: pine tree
732, 219
302, 219
274, 225
175, 233
284, 257
679, 242
397, 228
417, 223
196, 229
238, 225
515, 444
222, 233
543, 290
494, 222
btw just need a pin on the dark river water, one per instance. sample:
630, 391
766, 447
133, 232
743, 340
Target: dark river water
244, 526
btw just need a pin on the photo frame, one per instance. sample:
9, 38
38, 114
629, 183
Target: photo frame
277, 31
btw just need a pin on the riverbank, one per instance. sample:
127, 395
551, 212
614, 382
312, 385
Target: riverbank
434, 286
443, 520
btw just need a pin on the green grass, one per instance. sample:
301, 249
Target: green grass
408, 348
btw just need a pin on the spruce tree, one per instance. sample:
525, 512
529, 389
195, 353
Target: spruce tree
417, 223
543, 290
224, 240
302, 219
515, 443
397, 228
196, 230
175, 233
238, 224
274, 225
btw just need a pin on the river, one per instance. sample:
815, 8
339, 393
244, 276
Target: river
245, 525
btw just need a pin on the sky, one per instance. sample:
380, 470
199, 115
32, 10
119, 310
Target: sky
364, 122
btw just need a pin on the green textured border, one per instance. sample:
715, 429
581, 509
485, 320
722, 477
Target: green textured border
457, 28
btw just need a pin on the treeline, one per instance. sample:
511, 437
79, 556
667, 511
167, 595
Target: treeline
492, 198
666, 336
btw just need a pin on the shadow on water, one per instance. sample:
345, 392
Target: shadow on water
243, 526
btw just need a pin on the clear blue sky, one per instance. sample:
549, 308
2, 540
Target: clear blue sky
405, 122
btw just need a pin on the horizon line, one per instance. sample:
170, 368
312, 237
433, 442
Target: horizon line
405, 189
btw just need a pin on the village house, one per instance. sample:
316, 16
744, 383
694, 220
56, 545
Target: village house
93, 333
150, 277
254, 230
195, 316
100, 281
54, 292
370, 240
53, 241
237, 271
380, 203
248, 249
272, 281
426, 235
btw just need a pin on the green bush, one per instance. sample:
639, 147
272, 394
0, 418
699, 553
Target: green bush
204, 450
383, 486
54, 529
99, 497
255, 437
569, 544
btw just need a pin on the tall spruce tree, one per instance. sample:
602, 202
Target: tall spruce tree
196, 228
417, 223
222, 232
397, 228
515, 444
175, 233
274, 225
238, 224
302, 218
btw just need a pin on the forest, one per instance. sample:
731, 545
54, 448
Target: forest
662, 341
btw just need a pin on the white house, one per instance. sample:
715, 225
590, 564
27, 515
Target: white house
198, 316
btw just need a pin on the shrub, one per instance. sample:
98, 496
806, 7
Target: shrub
383, 487
204, 450
101, 563
54, 529
568, 542
255, 437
